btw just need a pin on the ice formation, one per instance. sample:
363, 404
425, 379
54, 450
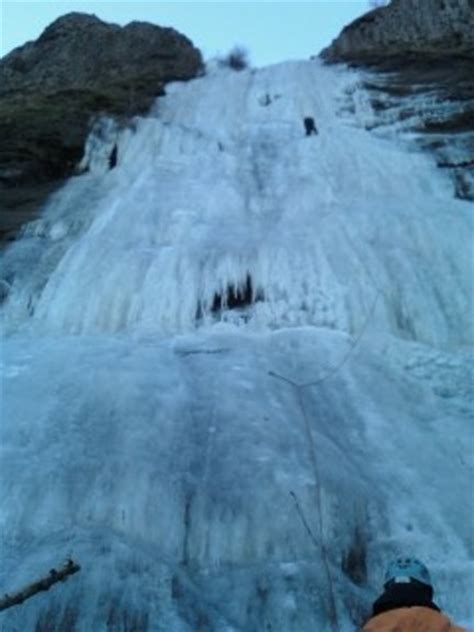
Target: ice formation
237, 371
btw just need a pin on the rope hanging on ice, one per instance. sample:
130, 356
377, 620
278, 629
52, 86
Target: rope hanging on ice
345, 358
299, 389
317, 478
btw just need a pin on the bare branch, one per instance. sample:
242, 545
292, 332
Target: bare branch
43, 584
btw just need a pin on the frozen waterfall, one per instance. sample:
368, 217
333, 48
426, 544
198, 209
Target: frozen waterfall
237, 375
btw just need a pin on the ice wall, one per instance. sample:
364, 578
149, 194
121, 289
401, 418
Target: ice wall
219, 183
147, 430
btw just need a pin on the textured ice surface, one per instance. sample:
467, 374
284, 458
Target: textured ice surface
144, 432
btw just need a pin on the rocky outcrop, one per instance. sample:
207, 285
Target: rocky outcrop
417, 27
421, 54
52, 89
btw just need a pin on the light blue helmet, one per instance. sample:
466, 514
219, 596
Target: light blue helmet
407, 568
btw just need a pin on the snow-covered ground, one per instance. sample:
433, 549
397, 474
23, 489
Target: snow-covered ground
247, 469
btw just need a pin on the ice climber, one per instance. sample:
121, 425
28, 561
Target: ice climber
113, 157
406, 605
310, 126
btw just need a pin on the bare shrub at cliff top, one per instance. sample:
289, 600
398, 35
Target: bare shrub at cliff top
375, 4
237, 59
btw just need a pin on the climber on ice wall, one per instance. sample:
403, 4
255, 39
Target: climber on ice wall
310, 126
406, 605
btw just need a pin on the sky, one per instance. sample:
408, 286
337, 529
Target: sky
270, 31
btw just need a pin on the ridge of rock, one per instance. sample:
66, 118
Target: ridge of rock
418, 27
50, 90
420, 57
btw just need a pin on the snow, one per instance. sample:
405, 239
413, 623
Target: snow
152, 437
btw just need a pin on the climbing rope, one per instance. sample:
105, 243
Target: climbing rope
351, 350
313, 453
317, 478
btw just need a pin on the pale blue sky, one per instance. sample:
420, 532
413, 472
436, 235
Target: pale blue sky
271, 31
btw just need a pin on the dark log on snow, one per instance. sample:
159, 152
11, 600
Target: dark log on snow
7, 601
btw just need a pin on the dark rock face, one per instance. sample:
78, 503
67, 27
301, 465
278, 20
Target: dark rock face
51, 90
418, 27
421, 54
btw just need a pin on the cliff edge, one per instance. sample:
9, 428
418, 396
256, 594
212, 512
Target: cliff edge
419, 56
53, 88
407, 28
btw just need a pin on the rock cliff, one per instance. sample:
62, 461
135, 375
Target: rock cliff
417, 27
421, 57
51, 89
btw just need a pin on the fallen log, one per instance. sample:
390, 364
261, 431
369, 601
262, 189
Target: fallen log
55, 576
